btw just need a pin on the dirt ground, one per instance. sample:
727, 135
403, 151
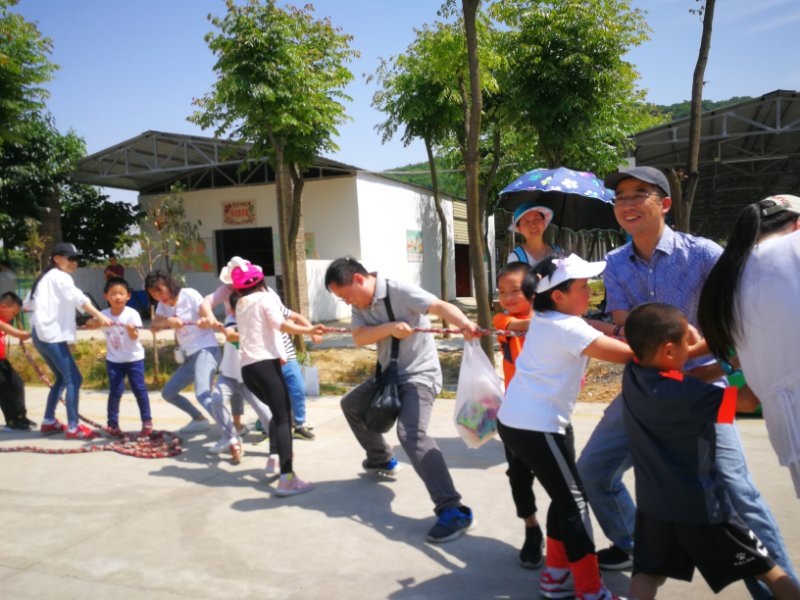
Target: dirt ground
349, 366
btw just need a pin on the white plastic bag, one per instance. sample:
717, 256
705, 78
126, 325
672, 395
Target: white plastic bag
478, 397
310, 378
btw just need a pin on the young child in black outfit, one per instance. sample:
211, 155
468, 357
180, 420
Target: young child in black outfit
684, 518
12, 388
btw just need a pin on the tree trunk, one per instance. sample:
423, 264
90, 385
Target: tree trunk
472, 126
283, 194
693, 171
297, 240
437, 200
50, 228
488, 182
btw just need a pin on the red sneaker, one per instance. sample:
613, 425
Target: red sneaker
54, 427
115, 431
147, 428
81, 433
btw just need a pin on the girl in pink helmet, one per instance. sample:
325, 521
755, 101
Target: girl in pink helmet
260, 321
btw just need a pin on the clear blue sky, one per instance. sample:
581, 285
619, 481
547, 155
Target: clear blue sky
128, 66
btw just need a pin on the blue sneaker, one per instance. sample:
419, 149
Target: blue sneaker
451, 524
389, 468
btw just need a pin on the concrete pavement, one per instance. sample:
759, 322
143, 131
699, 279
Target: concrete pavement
108, 526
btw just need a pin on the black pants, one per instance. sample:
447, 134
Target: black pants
265, 380
551, 458
12, 393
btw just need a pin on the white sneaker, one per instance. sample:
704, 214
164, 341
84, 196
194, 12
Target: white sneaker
242, 431
272, 464
194, 426
293, 486
219, 447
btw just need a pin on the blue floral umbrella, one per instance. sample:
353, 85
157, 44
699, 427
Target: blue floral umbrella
578, 199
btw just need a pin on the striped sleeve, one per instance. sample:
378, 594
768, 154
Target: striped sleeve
288, 346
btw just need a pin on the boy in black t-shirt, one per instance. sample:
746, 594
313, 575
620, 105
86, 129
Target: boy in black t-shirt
683, 518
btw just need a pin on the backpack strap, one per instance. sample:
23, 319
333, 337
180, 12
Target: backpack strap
522, 256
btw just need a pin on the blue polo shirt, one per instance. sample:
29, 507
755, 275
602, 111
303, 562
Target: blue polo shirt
669, 419
674, 275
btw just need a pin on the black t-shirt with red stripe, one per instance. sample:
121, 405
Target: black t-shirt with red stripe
669, 419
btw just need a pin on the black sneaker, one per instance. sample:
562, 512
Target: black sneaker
614, 559
301, 432
451, 524
530, 556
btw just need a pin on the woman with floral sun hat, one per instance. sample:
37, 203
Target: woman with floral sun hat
261, 321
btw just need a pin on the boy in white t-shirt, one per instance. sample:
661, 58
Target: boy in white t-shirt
124, 354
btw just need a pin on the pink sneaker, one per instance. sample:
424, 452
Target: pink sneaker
54, 427
293, 486
81, 433
147, 428
237, 452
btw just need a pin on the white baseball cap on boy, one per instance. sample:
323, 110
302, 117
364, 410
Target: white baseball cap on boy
570, 267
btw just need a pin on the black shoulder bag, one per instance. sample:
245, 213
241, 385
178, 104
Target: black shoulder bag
384, 406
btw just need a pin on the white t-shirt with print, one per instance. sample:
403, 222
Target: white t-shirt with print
548, 376
187, 308
120, 348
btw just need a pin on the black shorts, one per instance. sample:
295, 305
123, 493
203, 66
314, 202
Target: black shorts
722, 552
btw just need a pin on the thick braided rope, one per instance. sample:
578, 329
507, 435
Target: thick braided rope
441, 330
158, 444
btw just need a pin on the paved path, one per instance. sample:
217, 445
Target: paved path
107, 526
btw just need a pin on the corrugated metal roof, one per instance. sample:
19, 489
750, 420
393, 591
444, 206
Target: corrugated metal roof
748, 151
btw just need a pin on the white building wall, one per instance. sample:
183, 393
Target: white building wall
387, 211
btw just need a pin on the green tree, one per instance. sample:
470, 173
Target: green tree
568, 81
280, 80
424, 108
24, 66
93, 223
34, 170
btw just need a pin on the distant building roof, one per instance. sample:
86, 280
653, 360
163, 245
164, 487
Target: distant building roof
151, 162
748, 151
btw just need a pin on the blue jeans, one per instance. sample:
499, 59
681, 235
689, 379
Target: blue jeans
67, 378
297, 390
116, 386
607, 456
198, 368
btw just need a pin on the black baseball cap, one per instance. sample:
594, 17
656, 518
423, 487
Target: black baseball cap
66, 249
647, 174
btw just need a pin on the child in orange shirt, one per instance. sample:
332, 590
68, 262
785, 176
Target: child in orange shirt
516, 316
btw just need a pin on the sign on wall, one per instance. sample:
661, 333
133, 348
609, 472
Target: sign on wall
239, 212
414, 245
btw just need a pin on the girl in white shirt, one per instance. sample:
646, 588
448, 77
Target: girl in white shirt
179, 308
54, 298
261, 321
536, 412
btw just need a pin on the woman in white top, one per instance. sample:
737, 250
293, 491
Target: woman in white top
54, 298
750, 304
261, 321
531, 221
179, 308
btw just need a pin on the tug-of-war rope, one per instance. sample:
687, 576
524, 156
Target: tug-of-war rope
164, 444
156, 444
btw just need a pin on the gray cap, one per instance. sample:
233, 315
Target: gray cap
647, 174
66, 249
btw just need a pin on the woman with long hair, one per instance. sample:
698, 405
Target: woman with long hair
749, 305
54, 298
